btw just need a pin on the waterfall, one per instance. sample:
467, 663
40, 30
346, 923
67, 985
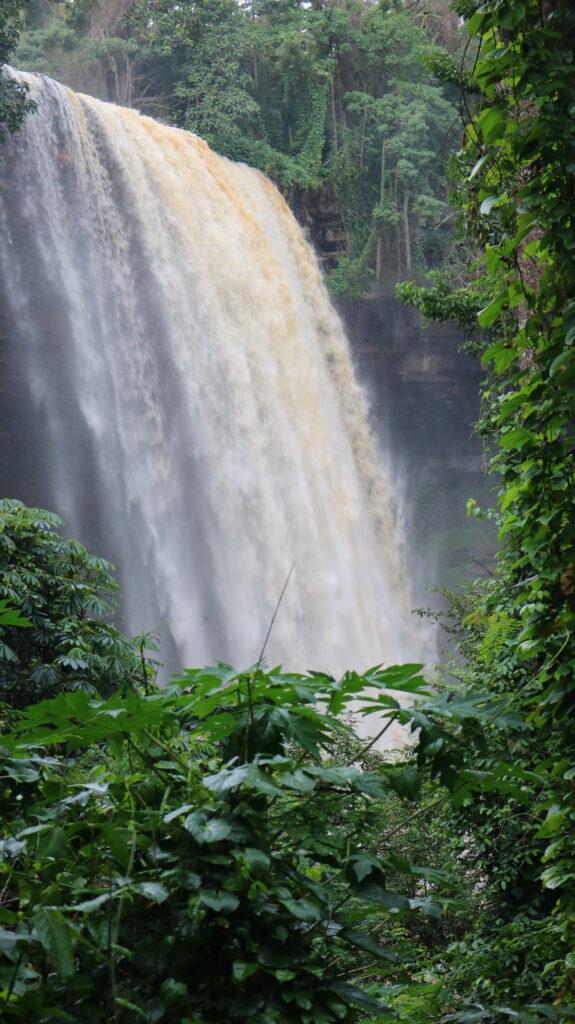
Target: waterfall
188, 397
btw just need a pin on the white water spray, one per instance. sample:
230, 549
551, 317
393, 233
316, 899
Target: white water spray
197, 393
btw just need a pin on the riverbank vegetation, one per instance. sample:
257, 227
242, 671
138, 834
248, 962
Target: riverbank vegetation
220, 849
225, 847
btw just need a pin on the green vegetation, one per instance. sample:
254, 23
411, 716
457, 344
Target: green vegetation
515, 193
14, 102
62, 591
222, 848
335, 101
225, 848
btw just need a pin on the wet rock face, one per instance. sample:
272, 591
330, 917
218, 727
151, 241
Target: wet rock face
424, 397
320, 215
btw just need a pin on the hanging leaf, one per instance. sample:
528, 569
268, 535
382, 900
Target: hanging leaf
54, 932
206, 830
370, 944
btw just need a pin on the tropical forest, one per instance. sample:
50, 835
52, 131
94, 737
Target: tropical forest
287, 513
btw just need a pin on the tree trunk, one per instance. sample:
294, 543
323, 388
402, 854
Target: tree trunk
334, 115
129, 83
379, 245
361, 148
398, 233
406, 231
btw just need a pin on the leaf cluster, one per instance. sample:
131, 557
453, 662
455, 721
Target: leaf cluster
225, 847
63, 592
515, 197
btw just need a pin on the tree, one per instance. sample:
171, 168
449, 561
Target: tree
333, 101
514, 190
63, 592
14, 101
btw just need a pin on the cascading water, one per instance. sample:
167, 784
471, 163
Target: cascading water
192, 406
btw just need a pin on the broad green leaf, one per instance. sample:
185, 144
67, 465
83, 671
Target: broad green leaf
426, 905
370, 944
177, 813
480, 21
54, 932
298, 780
491, 123
256, 859
516, 438
560, 361
242, 970
357, 997
88, 906
303, 909
13, 617
20, 770
491, 201
397, 677
511, 17
406, 781
126, 1004
219, 900
477, 167
489, 313
154, 891
362, 865
373, 785
207, 830
6, 653
284, 975
375, 893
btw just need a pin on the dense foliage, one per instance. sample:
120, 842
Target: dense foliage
206, 851
230, 820
333, 100
225, 847
14, 102
62, 591
515, 192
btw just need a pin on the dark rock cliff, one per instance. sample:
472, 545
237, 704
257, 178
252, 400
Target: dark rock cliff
424, 397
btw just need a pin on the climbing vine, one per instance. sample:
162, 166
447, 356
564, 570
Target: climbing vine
515, 193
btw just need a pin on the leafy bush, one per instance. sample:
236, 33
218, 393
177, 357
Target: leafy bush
515, 197
14, 101
63, 592
158, 864
220, 849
